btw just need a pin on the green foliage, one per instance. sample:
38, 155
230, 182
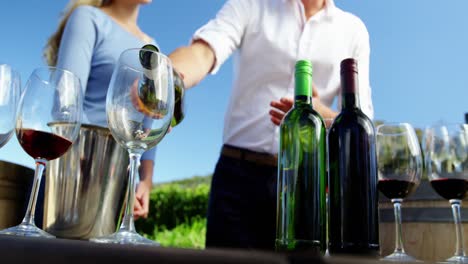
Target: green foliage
189, 182
378, 123
184, 235
177, 213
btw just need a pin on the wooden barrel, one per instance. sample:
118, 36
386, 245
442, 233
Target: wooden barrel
15, 182
428, 228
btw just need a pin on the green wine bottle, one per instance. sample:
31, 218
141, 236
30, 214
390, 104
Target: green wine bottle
148, 62
301, 209
179, 107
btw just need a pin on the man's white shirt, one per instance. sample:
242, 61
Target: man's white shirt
270, 36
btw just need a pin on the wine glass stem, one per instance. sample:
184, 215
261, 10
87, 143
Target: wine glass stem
398, 237
29, 216
460, 247
127, 222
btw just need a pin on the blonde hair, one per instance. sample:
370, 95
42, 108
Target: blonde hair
53, 43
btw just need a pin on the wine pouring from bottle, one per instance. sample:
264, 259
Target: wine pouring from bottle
147, 98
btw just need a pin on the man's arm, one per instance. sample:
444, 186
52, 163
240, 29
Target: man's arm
213, 43
325, 111
194, 62
362, 55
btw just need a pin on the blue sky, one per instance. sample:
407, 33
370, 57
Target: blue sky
419, 57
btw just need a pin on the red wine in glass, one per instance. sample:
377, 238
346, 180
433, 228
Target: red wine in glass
51, 96
394, 189
450, 188
400, 164
43, 145
446, 151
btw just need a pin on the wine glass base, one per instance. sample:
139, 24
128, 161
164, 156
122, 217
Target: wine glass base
26, 230
125, 237
456, 259
400, 257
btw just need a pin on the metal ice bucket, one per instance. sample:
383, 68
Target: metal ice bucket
85, 188
15, 181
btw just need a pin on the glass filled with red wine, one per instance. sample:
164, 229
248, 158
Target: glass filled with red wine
139, 107
447, 168
400, 165
47, 123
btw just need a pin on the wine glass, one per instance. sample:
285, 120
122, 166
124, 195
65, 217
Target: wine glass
400, 165
447, 168
10, 92
139, 106
47, 123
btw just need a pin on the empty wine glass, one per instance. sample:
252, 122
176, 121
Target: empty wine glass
47, 123
447, 168
10, 92
139, 106
400, 165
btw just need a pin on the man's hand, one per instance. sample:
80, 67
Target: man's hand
143, 105
281, 107
285, 104
141, 207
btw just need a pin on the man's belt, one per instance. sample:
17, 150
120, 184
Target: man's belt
248, 155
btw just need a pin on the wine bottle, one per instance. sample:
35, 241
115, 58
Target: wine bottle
354, 223
148, 62
301, 208
179, 106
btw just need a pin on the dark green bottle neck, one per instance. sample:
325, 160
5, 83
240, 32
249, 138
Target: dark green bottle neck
303, 89
302, 100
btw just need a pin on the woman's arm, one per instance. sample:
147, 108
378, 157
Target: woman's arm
77, 44
143, 190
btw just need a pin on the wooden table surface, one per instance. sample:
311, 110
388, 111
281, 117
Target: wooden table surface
63, 251
51, 251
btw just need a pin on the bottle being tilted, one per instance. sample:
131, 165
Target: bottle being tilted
301, 209
148, 97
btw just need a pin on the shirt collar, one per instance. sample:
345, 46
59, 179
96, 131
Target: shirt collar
329, 9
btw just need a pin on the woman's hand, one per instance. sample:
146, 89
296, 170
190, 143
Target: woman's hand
141, 207
143, 190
